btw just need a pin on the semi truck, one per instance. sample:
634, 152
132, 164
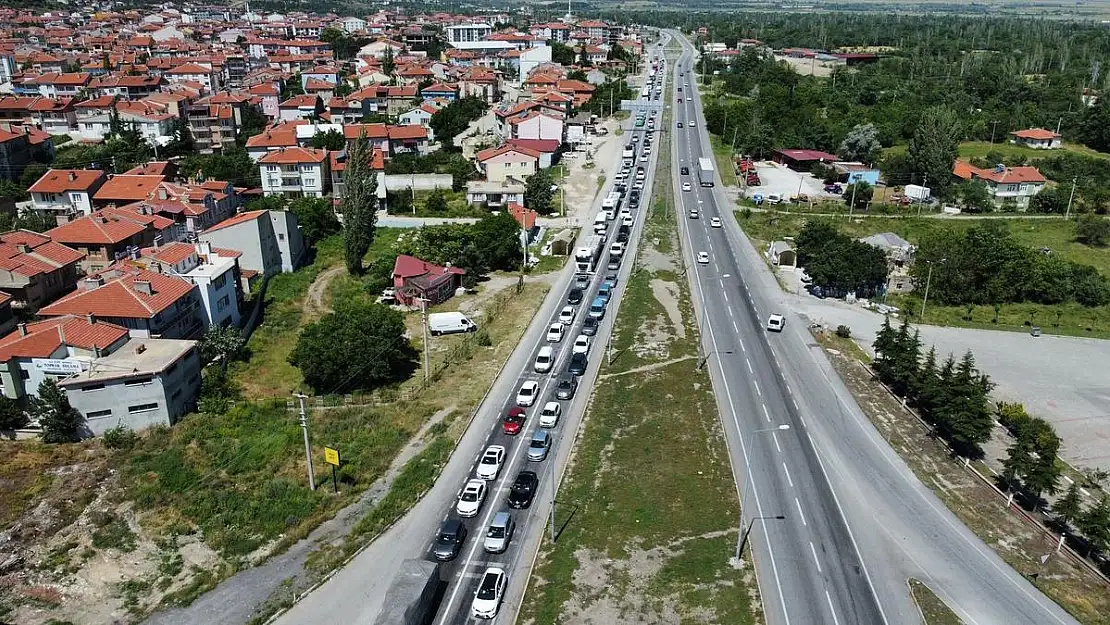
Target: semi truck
586, 256
705, 172
414, 595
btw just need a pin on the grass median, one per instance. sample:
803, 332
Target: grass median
648, 507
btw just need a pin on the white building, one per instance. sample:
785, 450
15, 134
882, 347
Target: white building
294, 172
63, 194
467, 32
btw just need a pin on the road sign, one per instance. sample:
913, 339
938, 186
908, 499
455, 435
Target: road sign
331, 456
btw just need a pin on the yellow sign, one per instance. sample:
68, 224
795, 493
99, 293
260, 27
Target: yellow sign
331, 456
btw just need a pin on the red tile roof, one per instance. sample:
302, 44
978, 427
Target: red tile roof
1003, 175
99, 228
543, 146
129, 188
236, 220
489, 153
1036, 133
62, 180
288, 156
408, 132
120, 297
526, 217
411, 267
44, 338
27, 253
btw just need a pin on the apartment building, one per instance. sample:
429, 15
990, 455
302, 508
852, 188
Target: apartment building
65, 194
295, 172
269, 241
34, 270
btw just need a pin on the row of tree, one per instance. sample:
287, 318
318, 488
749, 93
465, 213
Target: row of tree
985, 264
839, 263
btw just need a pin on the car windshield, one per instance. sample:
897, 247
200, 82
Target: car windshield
490, 459
526, 391
447, 537
496, 532
537, 444
488, 590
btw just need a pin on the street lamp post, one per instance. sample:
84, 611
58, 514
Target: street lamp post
743, 538
702, 361
744, 489
928, 281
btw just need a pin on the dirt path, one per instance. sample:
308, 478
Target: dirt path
314, 300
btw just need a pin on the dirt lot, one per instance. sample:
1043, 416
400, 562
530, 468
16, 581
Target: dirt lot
809, 67
775, 178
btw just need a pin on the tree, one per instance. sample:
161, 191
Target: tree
538, 193
1049, 200
497, 238
1094, 126
1095, 525
221, 343
316, 217
436, 202
861, 144
59, 420
330, 140
1069, 506
389, 66
452, 119
1092, 230
253, 123
359, 346
561, 53
886, 346
935, 145
861, 192
975, 197
968, 421
31, 174
359, 205
12, 416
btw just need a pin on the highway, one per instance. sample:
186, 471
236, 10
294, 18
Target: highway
355, 593
839, 521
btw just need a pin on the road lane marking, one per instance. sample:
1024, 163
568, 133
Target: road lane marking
750, 370
787, 472
766, 413
759, 392
828, 598
813, 550
734, 326
725, 293
774, 437
742, 348
797, 503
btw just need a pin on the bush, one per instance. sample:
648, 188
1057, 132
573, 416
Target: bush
746, 213
482, 338
1013, 417
120, 437
844, 332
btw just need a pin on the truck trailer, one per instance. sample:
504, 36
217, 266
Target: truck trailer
705, 172
414, 595
586, 256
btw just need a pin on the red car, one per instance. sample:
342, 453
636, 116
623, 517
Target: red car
514, 421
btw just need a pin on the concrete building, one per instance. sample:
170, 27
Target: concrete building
1005, 184
269, 241
215, 271
143, 383
493, 194
64, 194
1037, 138
295, 172
34, 270
108, 235
508, 164
467, 32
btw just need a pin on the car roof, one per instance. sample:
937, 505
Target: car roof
450, 526
599, 302
546, 349
530, 384
475, 483
538, 435
528, 475
495, 448
550, 404
493, 570
501, 518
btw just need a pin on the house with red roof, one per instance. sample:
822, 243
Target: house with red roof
415, 279
75, 339
34, 270
109, 234
506, 163
337, 165
295, 172
408, 140
546, 149
440, 90
204, 74
541, 125
300, 107
148, 303
125, 189
802, 160
1005, 184
1037, 138
64, 194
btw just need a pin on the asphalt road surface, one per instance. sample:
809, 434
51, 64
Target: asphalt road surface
855, 521
355, 594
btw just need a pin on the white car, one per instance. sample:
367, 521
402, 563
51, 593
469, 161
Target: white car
526, 396
581, 345
471, 498
549, 417
703, 258
555, 333
545, 359
693, 124
774, 198
715, 222
627, 221
686, 186
489, 467
487, 599
639, 185
776, 322
566, 315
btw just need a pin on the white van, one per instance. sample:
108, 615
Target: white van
450, 323
600, 221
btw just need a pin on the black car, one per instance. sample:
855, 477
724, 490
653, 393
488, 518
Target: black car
589, 326
577, 364
523, 490
449, 540
634, 202
634, 195
622, 237
685, 171
566, 387
625, 229
575, 296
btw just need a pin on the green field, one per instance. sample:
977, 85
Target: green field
979, 149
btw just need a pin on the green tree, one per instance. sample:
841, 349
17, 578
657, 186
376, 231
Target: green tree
1094, 126
904, 368
497, 238
359, 205
253, 122
359, 346
12, 416
538, 194
1095, 525
222, 344
926, 387
316, 217
31, 174
968, 419
860, 144
1069, 506
181, 142
935, 145
330, 140
436, 202
886, 347
1050, 201
975, 197
1038, 444
1092, 230
861, 192
561, 53
452, 119
59, 420
13, 190
389, 65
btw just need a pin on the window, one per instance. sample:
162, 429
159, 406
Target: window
91, 387
223, 303
24, 374
142, 408
272, 168
281, 236
139, 381
98, 414
220, 281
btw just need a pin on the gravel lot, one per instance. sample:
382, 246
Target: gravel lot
780, 179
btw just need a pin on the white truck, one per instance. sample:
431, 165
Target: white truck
450, 323
586, 256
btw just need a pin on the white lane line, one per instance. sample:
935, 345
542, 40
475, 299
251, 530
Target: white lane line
750, 370
801, 514
774, 437
732, 314
725, 293
742, 348
759, 392
813, 550
788, 480
734, 326
828, 597
766, 413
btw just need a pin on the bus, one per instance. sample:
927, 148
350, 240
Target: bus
705, 172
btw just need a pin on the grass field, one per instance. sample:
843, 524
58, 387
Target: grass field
979, 149
649, 501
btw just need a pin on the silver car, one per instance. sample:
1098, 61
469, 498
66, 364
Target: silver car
500, 532
538, 446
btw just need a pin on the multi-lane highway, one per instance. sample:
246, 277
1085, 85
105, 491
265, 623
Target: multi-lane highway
839, 521
355, 594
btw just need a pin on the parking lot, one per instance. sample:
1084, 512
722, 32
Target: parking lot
786, 182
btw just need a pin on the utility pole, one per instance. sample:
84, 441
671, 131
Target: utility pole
1067, 213
922, 201
307, 447
994, 124
928, 281
427, 344
852, 204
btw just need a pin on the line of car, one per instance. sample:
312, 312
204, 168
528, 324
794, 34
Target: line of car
481, 488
